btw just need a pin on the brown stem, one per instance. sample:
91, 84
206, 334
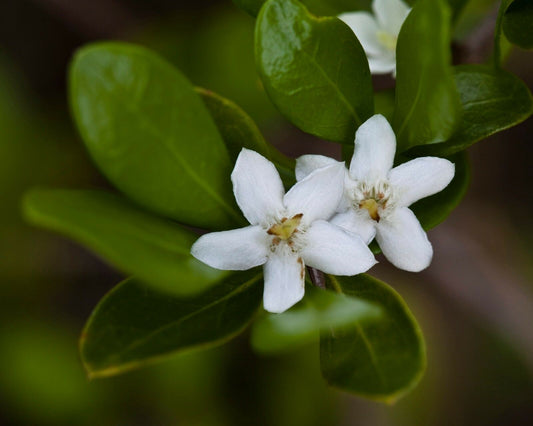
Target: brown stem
317, 277
477, 46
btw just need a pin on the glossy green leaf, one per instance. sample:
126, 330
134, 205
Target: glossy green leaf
380, 359
318, 7
319, 311
134, 324
517, 23
314, 70
427, 103
151, 248
151, 134
492, 100
238, 130
433, 210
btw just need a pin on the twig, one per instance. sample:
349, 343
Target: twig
317, 277
477, 46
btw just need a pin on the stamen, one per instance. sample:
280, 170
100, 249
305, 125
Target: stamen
373, 197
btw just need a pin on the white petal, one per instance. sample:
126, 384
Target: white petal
235, 250
383, 64
375, 145
284, 281
390, 14
257, 187
365, 28
336, 251
403, 241
356, 223
317, 195
420, 178
309, 163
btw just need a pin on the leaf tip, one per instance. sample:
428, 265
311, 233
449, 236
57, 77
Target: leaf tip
27, 204
99, 373
90, 375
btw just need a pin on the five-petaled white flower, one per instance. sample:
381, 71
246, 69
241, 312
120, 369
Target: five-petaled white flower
287, 231
376, 195
378, 35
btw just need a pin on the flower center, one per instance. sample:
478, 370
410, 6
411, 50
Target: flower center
387, 40
286, 228
374, 198
372, 206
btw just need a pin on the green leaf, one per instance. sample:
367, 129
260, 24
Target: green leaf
314, 70
427, 102
238, 130
380, 359
134, 324
318, 7
433, 210
493, 100
152, 249
151, 134
517, 23
319, 311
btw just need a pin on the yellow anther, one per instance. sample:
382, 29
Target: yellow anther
286, 228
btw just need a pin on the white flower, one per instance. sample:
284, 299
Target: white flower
378, 35
287, 232
376, 196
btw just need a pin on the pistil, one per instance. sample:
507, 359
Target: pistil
286, 228
372, 206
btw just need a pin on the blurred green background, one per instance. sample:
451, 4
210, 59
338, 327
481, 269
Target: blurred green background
475, 303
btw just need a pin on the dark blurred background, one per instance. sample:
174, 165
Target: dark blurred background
475, 302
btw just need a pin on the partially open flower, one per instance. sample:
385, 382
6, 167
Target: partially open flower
287, 232
377, 196
378, 34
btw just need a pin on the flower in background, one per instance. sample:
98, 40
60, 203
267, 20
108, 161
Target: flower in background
287, 231
378, 34
377, 196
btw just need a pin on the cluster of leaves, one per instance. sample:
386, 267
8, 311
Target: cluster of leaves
169, 147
